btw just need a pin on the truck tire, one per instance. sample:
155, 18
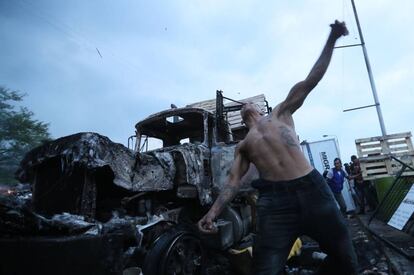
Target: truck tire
177, 251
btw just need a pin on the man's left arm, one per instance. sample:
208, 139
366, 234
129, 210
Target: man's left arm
347, 176
329, 176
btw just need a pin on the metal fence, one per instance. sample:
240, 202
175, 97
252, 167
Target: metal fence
394, 196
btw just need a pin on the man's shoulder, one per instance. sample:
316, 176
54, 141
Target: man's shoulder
278, 117
241, 145
279, 111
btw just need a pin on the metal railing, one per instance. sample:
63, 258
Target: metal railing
394, 195
389, 204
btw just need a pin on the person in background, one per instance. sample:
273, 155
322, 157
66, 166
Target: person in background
362, 187
352, 187
335, 178
359, 184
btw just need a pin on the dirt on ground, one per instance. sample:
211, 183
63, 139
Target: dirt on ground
371, 258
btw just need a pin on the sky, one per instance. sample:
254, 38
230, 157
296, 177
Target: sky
102, 66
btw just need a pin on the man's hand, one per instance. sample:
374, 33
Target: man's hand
206, 224
339, 29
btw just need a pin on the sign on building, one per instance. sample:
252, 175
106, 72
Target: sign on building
321, 155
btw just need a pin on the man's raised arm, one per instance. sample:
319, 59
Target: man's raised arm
227, 194
300, 90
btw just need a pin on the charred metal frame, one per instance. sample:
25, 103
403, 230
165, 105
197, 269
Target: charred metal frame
222, 111
140, 127
103, 177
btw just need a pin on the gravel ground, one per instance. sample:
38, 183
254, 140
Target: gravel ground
371, 258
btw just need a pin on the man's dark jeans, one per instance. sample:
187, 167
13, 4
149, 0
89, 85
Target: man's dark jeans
289, 209
366, 194
341, 202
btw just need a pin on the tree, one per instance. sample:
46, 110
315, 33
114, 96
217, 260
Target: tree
19, 133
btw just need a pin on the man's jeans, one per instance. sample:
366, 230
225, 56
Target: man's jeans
365, 194
289, 209
341, 202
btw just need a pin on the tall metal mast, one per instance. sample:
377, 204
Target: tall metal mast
371, 78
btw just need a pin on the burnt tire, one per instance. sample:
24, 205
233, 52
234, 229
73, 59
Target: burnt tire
177, 251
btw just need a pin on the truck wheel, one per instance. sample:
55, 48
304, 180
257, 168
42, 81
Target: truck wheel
177, 251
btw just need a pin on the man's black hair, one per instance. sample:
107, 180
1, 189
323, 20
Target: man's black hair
353, 157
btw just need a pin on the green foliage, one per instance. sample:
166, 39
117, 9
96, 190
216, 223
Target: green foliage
19, 133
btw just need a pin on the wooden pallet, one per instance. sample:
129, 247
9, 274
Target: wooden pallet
374, 154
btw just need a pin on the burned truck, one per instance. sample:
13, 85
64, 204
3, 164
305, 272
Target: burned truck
138, 205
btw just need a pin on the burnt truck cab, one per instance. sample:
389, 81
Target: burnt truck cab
190, 136
151, 194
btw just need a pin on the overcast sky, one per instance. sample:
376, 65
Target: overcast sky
102, 66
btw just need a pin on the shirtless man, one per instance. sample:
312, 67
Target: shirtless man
294, 199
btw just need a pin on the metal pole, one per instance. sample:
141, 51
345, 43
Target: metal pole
357, 108
371, 78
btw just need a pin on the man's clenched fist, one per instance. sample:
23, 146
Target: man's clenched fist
339, 29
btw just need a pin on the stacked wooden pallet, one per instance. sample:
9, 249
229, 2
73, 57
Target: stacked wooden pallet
374, 154
233, 118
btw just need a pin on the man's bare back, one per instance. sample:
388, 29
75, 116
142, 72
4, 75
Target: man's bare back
271, 143
273, 147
